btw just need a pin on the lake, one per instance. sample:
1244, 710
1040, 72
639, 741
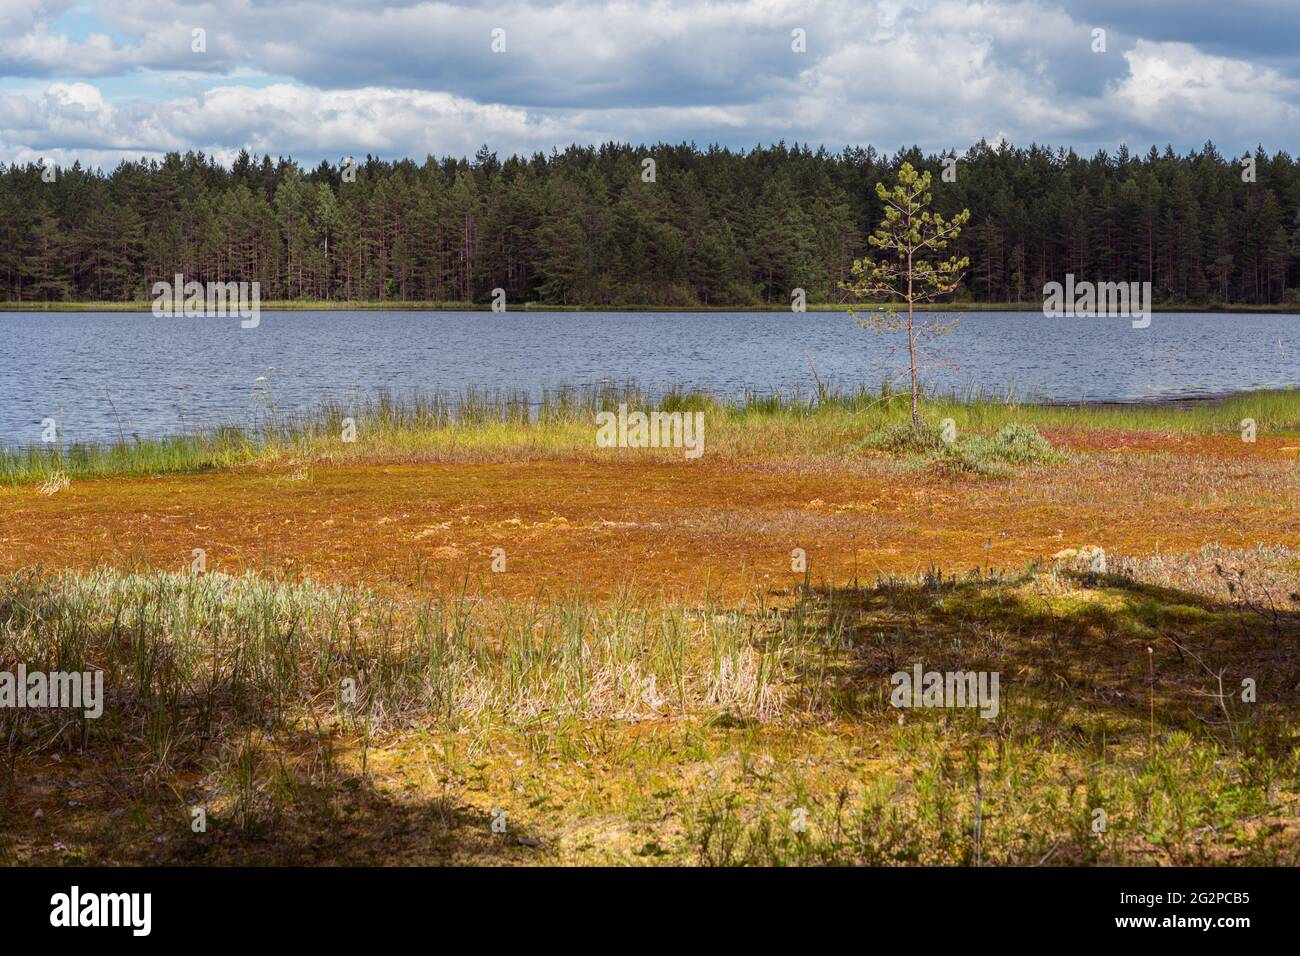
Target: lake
162, 375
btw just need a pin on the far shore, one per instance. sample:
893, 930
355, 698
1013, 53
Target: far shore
296, 305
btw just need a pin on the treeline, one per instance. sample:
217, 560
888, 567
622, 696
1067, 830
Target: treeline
584, 226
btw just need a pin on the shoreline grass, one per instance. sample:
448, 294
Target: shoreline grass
482, 422
371, 305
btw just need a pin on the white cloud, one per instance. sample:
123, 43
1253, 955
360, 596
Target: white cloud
319, 80
281, 118
1175, 81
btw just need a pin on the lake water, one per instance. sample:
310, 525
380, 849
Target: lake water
158, 374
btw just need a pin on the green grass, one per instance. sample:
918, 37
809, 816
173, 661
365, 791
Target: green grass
973, 454
480, 423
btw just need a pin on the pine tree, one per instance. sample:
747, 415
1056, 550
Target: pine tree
907, 236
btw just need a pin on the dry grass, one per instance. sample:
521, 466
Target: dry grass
622, 732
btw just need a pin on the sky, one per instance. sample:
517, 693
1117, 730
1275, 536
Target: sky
102, 80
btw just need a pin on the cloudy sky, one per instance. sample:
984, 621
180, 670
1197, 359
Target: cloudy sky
98, 80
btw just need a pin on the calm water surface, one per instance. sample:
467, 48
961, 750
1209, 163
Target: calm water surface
162, 375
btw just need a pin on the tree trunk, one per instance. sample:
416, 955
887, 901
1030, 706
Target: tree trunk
911, 350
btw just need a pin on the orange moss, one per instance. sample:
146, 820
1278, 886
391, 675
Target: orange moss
667, 526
